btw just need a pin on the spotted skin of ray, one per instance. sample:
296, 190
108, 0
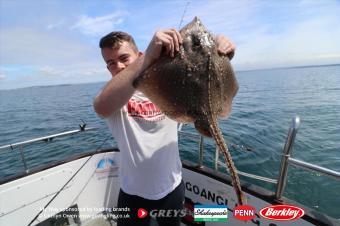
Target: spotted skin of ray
196, 86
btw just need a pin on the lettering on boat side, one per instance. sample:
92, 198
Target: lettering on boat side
205, 193
282, 212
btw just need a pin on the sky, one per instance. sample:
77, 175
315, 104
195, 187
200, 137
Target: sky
49, 42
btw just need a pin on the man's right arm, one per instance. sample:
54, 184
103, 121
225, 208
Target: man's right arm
118, 90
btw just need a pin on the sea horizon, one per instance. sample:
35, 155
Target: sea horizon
262, 111
236, 71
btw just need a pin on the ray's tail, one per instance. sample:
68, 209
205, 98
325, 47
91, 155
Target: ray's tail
217, 134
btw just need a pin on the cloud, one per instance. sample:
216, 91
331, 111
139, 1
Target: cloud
95, 71
80, 72
329, 56
272, 34
2, 77
99, 25
61, 44
309, 41
30, 46
67, 74
50, 71
59, 24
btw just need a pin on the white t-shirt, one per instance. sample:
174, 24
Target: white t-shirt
150, 163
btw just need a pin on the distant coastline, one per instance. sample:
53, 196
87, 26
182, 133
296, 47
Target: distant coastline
290, 67
259, 69
47, 86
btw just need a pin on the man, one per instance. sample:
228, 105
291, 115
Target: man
150, 167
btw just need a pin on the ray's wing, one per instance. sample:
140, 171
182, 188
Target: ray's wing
229, 85
162, 83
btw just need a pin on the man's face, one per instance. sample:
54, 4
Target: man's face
119, 58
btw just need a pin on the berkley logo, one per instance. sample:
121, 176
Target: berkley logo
282, 212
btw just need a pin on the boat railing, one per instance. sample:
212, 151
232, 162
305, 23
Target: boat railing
20, 145
280, 183
200, 140
286, 160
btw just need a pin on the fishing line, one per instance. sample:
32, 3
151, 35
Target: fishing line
180, 125
69, 180
185, 10
179, 128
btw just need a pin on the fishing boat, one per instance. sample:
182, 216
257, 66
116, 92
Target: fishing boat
83, 189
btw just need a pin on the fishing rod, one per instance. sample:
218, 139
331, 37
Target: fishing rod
185, 10
180, 125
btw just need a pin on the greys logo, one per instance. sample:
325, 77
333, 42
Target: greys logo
167, 213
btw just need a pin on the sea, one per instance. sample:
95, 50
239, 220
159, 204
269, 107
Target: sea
256, 130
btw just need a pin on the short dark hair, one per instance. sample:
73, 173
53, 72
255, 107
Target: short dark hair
115, 39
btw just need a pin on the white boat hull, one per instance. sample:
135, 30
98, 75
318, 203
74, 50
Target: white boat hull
91, 184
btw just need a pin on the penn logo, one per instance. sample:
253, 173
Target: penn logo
244, 212
282, 212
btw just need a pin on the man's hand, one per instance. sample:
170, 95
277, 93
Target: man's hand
225, 46
170, 39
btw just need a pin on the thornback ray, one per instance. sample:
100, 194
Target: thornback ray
196, 86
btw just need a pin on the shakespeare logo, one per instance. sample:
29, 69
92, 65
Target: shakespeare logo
212, 213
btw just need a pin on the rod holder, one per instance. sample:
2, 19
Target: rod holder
201, 151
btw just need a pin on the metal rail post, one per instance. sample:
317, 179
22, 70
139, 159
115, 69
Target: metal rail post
23, 158
216, 157
281, 182
201, 148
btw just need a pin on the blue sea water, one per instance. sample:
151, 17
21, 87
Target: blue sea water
262, 111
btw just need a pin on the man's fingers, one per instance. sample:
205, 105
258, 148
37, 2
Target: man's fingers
176, 39
223, 49
172, 48
172, 45
169, 44
231, 51
225, 46
169, 40
179, 37
231, 55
